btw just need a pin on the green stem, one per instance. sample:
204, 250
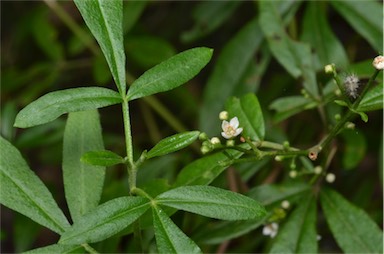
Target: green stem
132, 171
88, 248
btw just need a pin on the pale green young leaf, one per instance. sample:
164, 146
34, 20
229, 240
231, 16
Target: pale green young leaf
52, 105
105, 20
298, 233
105, 221
212, 202
250, 116
83, 183
294, 56
24, 192
169, 238
230, 67
173, 143
171, 73
353, 229
204, 170
102, 158
373, 99
366, 17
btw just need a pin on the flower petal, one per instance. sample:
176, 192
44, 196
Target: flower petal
238, 131
224, 125
225, 135
234, 122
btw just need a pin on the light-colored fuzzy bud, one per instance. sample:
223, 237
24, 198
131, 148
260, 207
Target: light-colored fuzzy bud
378, 63
223, 115
215, 140
351, 85
293, 173
318, 170
330, 178
285, 204
329, 69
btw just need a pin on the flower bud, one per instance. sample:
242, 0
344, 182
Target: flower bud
293, 173
215, 140
378, 63
285, 204
318, 170
223, 115
230, 142
203, 136
205, 149
330, 178
329, 69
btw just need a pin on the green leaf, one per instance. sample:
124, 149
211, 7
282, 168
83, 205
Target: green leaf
204, 170
294, 56
169, 238
147, 51
102, 158
319, 34
298, 233
373, 99
212, 202
105, 221
83, 183
24, 192
366, 17
355, 147
131, 13
173, 143
105, 20
290, 105
171, 73
231, 65
353, 229
57, 248
248, 110
271, 193
208, 16
52, 105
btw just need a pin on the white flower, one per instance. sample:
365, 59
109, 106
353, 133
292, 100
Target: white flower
231, 129
223, 115
271, 229
330, 178
378, 62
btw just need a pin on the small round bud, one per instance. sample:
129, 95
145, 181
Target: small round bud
230, 142
329, 68
378, 63
350, 125
337, 117
286, 144
318, 170
205, 149
223, 115
293, 173
278, 158
292, 165
337, 92
203, 136
215, 140
330, 178
285, 204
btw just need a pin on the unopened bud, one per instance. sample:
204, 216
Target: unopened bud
203, 136
215, 140
329, 69
318, 170
223, 115
337, 117
285, 204
205, 149
378, 63
278, 158
293, 173
350, 125
330, 178
230, 142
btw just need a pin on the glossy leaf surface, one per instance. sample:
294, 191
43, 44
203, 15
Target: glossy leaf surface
173, 143
171, 73
169, 238
212, 202
52, 105
105, 221
250, 116
353, 230
83, 183
105, 20
24, 192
